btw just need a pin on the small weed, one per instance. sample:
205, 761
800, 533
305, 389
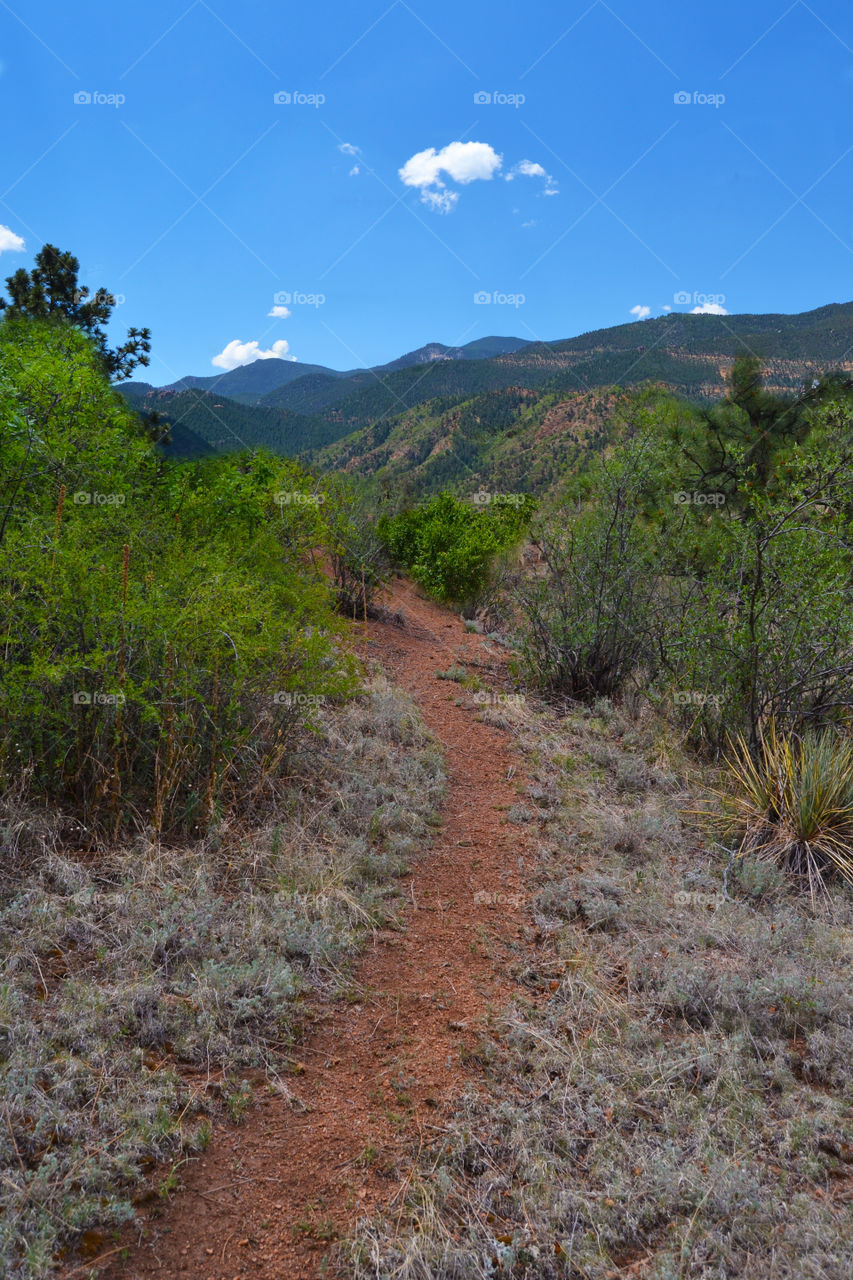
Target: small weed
457, 673
237, 1102
170, 1184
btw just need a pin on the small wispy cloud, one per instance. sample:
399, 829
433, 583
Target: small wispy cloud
532, 169
279, 313
640, 312
348, 149
709, 309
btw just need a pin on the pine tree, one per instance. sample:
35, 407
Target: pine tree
52, 291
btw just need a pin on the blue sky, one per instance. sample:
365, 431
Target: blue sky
385, 196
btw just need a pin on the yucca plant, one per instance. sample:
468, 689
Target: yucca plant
792, 804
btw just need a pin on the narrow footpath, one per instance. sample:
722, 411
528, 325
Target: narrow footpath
268, 1198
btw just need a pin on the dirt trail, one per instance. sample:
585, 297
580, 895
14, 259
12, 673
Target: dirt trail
266, 1198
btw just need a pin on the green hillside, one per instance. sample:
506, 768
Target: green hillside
227, 426
424, 406
512, 440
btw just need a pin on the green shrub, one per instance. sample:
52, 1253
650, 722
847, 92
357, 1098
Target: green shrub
589, 624
449, 546
360, 563
163, 628
719, 585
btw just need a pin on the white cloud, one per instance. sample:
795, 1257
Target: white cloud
238, 353
279, 313
348, 149
532, 169
709, 309
464, 162
529, 169
667, 308
641, 313
440, 201
531, 223
354, 171
9, 242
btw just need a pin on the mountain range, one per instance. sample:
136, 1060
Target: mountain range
357, 418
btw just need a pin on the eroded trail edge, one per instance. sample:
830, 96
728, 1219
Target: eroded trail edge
268, 1199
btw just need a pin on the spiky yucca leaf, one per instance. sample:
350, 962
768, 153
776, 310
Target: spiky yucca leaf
793, 804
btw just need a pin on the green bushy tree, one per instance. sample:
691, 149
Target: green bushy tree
449, 546
590, 623
733, 606
163, 626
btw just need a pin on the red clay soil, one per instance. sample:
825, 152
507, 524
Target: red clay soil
268, 1197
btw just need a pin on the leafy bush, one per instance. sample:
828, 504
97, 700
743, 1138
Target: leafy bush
589, 622
359, 557
707, 564
449, 546
162, 626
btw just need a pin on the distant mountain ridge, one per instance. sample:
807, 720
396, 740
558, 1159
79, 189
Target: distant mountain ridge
251, 382
300, 409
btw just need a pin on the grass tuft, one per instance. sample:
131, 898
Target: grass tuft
792, 805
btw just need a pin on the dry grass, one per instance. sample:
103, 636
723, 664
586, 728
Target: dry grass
121, 971
671, 1093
